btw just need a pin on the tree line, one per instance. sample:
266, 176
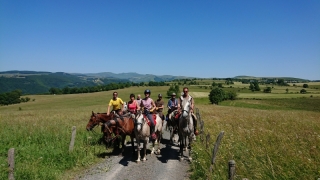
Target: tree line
12, 97
98, 88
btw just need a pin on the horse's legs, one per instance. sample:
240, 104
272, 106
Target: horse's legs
144, 149
132, 143
123, 139
185, 143
171, 134
190, 141
138, 149
153, 144
181, 146
159, 144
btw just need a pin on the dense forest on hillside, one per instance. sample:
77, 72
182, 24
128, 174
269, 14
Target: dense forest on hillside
39, 84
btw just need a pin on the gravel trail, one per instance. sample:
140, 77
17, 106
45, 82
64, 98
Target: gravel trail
163, 166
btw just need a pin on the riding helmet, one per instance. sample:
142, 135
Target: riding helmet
147, 91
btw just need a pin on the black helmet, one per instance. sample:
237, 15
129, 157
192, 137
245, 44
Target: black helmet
159, 95
147, 91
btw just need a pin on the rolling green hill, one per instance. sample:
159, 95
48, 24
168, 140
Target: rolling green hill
31, 82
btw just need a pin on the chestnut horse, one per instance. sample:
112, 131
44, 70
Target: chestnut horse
120, 126
97, 118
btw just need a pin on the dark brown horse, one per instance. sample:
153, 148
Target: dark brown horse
97, 119
120, 126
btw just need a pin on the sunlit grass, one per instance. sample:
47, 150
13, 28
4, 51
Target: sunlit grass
266, 144
258, 133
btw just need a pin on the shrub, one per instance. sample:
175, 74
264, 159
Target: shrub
230, 95
216, 95
303, 91
267, 90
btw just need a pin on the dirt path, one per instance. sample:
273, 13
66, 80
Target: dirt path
163, 166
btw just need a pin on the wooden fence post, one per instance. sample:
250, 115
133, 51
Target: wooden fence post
201, 131
215, 149
11, 163
207, 140
232, 169
73, 137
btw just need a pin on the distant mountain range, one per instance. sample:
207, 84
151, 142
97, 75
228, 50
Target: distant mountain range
39, 82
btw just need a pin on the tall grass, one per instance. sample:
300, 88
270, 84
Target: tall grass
266, 144
40, 132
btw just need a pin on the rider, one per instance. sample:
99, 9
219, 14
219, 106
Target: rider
138, 99
116, 103
148, 106
183, 99
133, 104
172, 105
159, 106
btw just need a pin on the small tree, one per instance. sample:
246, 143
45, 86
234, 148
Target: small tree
303, 91
267, 90
305, 86
287, 90
216, 95
254, 86
173, 89
230, 95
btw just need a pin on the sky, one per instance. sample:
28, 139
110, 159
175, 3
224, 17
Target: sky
204, 39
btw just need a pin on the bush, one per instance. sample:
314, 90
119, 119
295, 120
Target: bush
216, 95
303, 91
267, 90
231, 95
305, 86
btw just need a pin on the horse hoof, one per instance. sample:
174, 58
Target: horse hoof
144, 159
190, 159
138, 160
180, 159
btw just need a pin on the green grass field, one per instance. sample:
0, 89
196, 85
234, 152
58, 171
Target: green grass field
275, 137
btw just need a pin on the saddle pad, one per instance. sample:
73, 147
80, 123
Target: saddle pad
148, 121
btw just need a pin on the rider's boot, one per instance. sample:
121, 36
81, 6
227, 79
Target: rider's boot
153, 135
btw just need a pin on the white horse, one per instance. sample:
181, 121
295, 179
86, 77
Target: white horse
186, 129
142, 132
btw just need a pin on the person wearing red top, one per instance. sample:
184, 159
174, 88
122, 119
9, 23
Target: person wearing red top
133, 105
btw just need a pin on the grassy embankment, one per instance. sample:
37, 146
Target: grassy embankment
276, 143
270, 136
40, 133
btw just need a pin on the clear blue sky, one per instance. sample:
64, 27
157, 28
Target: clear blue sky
274, 38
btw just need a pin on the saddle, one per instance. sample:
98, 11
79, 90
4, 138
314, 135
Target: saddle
148, 121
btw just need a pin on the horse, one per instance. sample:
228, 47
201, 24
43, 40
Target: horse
120, 126
186, 129
96, 119
142, 132
172, 123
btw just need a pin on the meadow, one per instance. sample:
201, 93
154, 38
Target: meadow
269, 137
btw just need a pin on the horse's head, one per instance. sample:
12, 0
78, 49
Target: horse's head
139, 121
96, 118
93, 121
186, 109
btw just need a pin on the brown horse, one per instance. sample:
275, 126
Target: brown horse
97, 119
120, 126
